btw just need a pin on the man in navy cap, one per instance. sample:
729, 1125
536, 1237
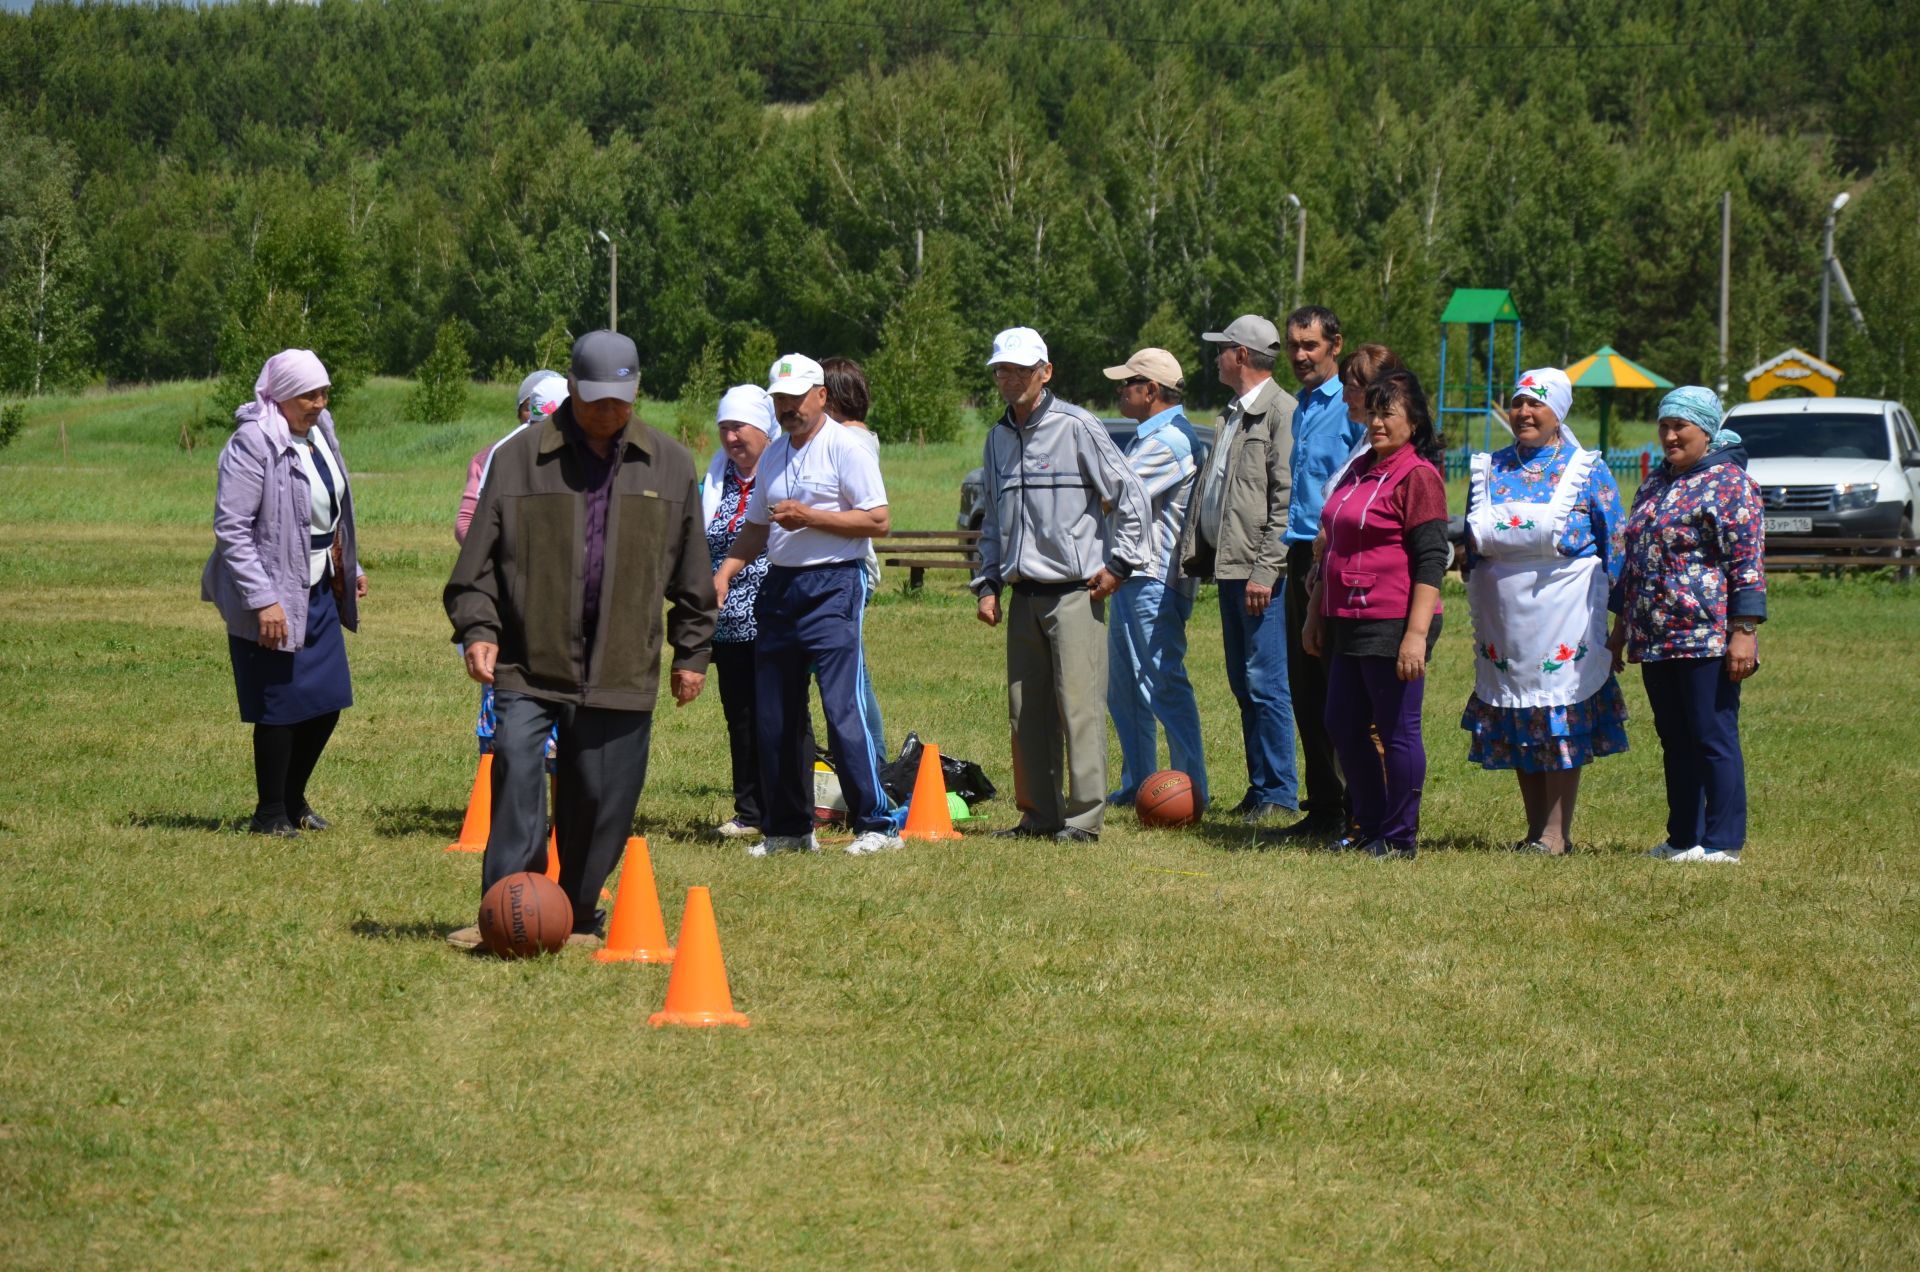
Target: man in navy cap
588, 524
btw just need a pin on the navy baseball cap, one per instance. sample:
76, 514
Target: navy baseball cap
605, 365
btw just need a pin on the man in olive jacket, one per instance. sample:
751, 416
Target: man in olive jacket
587, 523
1236, 535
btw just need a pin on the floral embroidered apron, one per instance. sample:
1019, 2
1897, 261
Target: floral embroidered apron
1539, 618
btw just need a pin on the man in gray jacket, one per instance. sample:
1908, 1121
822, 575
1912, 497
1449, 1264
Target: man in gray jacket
1066, 524
1236, 535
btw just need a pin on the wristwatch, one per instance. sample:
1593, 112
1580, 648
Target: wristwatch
1745, 626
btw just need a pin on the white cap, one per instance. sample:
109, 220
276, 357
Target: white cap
545, 396
748, 404
1021, 346
793, 374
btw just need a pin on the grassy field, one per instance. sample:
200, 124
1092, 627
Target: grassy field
1163, 1050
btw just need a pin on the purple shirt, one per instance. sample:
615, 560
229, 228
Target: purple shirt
599, 473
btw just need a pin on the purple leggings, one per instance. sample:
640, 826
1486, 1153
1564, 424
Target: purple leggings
1364, 691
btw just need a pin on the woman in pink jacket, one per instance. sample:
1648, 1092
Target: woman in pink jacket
1375, 611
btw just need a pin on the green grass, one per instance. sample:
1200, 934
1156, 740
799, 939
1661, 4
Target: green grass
1161, 1050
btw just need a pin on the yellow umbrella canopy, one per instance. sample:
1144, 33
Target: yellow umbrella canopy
1606, 369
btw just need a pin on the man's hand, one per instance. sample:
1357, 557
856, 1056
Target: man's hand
481, 655
360, 588
989, 610
791, 514
273, 626
1104, 584
687, 685
1258, 598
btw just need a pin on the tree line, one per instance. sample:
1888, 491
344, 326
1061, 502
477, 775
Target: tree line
185, 189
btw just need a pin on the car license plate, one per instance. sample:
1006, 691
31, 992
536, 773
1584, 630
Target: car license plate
1789, 525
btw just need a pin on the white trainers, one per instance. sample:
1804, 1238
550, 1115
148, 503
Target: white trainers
734, 828
783, 843
1664, 851
872, 841
1720, 857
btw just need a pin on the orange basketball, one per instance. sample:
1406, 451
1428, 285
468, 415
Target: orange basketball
1166, 799
525, 914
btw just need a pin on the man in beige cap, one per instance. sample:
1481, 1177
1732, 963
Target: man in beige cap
1147, 620
1237, 536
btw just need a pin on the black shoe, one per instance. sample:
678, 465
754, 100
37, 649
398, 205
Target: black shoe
310, 820
277, 827
1390, 850
1022, 831
1075, 835
1247, 804
1307, 830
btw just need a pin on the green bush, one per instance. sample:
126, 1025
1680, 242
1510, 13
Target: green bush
13, 418
440, 386
916, 373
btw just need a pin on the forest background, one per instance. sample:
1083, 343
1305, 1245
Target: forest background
184, 190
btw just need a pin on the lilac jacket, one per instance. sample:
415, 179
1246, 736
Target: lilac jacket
261, 514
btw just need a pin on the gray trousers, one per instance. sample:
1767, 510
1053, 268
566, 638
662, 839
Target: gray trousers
602, 763
1057, 697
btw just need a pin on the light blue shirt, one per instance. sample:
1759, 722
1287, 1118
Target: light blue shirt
1323, 437
1161, 456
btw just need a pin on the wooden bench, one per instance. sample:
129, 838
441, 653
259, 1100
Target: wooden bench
918, 551
1787, 553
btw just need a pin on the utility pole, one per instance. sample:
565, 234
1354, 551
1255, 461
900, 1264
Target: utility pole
1299, 248
1826, 267
1726, 283
613, 280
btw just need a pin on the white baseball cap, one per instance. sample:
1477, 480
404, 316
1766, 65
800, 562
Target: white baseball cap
793, 374
1021, 346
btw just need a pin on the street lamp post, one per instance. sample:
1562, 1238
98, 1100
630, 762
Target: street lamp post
1299, 247
1826, 267
613, 280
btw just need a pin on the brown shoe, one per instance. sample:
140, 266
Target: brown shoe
584, 941
466, 938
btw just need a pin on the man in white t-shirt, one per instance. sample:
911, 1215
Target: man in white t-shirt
815, 506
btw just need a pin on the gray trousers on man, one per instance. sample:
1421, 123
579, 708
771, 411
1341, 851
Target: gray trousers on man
1057, 698
602, 765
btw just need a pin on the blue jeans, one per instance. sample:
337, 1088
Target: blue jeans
1147, 681
1256, 651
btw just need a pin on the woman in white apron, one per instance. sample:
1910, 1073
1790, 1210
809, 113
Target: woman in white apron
1544, 526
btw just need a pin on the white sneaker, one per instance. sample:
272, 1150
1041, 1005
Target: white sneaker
872, 841
1720, 858
1664, 851
783, 843
734, 828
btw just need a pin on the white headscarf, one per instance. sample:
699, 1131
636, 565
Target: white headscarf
1551, 387
287, 374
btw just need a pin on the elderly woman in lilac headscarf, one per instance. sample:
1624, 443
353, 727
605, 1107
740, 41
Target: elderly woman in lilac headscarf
1543, 550
286, 577
1689, 606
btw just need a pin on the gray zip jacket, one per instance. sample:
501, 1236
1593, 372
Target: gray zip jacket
1061, 502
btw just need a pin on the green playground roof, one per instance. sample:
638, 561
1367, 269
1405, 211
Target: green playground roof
1480, 304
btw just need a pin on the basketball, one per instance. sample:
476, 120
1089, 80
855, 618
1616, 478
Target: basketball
1166, 799
523, 915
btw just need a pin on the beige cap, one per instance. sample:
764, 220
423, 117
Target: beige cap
1155, 364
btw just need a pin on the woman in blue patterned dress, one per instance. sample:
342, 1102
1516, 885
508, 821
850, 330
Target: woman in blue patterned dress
1690, 602
746, 424
1544, 526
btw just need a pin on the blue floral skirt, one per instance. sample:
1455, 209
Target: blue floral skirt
1547, 739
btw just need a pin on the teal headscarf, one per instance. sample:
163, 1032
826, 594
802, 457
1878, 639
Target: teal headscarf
1699, 405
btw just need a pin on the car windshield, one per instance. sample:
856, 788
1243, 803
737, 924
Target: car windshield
1810, 436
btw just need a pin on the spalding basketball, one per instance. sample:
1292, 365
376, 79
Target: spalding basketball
523, 915
1166, 799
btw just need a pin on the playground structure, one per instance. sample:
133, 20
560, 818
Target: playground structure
1793, 369
1473, 307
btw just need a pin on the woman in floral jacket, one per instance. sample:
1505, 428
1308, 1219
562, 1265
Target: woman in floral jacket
1688, 606
1543, 552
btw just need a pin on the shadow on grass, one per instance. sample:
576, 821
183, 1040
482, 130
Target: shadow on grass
419, 819
180, 821
378, 930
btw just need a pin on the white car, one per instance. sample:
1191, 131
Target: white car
1832, 467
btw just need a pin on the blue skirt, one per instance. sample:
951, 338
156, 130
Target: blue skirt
276, 687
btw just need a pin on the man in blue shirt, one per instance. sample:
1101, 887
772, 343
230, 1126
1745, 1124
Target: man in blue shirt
1323, 437
1147, 618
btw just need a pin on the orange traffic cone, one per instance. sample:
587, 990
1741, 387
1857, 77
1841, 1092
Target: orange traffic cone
697, 992
927, 815
637, 934
553, 855
473, 831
